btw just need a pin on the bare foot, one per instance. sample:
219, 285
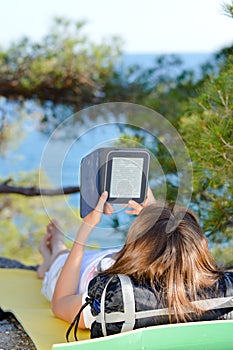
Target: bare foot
57, 239
45, 250
51, 245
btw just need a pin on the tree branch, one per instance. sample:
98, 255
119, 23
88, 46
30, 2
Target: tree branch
35, 191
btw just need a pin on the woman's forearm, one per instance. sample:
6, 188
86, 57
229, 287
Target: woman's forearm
65, 301
67, 283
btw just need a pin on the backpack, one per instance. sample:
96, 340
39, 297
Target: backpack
121, 303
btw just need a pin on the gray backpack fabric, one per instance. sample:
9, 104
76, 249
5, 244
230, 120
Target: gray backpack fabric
121, 303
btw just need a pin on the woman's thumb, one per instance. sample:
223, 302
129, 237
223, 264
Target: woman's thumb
102, 200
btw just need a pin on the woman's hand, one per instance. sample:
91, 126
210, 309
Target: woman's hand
150, 199
94, 217
136, 207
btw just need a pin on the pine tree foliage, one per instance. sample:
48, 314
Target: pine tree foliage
66, 67
208, 132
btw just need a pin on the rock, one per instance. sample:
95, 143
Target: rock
12, 334
6, 263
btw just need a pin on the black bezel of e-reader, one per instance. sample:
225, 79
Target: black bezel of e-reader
127, 154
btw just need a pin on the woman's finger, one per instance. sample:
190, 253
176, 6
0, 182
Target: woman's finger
132, 212
108, 209
150, 197
100, 205
136, 207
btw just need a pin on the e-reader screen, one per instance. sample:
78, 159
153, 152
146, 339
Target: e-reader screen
126, 177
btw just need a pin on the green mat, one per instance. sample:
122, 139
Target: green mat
213, 335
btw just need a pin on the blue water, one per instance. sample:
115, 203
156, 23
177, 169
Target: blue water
26, 157
30, 152
190, 60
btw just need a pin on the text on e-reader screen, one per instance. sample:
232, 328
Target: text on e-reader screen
126, 177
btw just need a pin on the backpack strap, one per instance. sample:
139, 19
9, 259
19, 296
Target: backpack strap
128, 302
102, 308
75, 322
214, 303
205, 305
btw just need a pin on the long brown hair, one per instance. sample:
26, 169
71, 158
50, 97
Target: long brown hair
167, 247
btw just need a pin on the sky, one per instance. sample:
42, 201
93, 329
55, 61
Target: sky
146, 26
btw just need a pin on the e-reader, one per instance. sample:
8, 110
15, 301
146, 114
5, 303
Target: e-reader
92, 178
123, 172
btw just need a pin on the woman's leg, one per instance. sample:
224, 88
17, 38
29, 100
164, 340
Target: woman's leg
51, 245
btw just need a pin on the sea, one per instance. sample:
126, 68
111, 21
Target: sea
190, 60
26, 156
38, 150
